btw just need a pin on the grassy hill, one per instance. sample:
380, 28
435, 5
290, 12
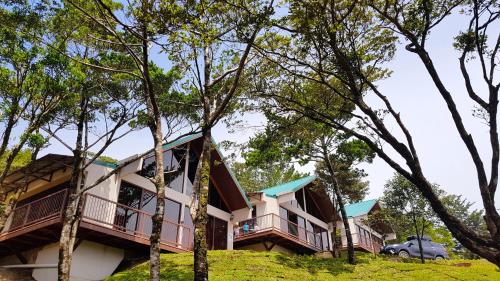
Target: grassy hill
249, 265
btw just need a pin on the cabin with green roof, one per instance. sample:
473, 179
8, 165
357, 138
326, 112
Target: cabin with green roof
117, 213
368, 234
293, 217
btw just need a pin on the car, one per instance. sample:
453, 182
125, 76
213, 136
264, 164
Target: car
410, 249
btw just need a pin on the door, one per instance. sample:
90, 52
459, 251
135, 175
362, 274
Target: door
216, 234
428, 249
301, 222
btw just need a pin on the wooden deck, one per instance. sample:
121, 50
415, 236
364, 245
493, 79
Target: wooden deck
369, 245
39, 223
271, 230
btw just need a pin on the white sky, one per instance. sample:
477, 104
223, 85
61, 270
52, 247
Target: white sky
443, 155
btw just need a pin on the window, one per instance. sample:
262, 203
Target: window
284, 219
193, 163
137, 198
174, 171
312, 208
215, 199
174, 162
187, 234
299, 196
216, 234
129, 196
172, 214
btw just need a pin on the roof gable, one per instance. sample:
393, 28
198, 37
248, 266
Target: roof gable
223, 169
360, 208
288, 187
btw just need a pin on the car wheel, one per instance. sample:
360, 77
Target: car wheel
439, 258
403, 254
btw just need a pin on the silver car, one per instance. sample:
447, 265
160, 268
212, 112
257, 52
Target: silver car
410, 248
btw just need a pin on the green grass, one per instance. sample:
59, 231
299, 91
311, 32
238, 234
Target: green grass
249, 265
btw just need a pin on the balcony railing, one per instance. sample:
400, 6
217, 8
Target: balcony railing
274, 222
122, 218
38, 211
101, 212
367, 242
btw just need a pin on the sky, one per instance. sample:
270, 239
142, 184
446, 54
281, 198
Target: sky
443, 155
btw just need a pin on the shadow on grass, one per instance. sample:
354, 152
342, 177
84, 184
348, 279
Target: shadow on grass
176, 272
314, 265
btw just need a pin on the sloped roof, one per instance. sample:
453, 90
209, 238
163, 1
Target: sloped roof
219, 157
360, 208
182, 140
288, 187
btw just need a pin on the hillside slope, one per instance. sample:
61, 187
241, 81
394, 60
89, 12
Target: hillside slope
248, 265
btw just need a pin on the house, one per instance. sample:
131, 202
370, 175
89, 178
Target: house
294, 217
291, 217
116, 217
364, 237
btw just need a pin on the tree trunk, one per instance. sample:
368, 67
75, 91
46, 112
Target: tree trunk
335, 247
201, 219
68, 236
157, 219
345, 219
420, 248
71, 215
350, 245
419, 239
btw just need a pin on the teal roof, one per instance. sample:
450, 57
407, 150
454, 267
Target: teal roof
181, 140
288, 187
360, 208
106, 164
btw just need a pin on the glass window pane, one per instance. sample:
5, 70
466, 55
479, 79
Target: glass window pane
193, 162
170, 227
187, 233
174, 176
148, 205
148, 167
215, 199
129, 195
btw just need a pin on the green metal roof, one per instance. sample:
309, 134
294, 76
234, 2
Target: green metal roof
182, 140
360, 208
288, 187
105, 164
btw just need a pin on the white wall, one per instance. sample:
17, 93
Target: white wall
97, 208
91, 261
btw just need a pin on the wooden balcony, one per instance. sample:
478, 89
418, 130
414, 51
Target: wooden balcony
277, 230
39, 222
366, 244
123, 222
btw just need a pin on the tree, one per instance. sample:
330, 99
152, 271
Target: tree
100, 99
344, 45
254, 178
211, 43
128, 31
30, 96
405, 203
462, 209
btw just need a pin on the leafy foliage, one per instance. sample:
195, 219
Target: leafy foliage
254, 178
